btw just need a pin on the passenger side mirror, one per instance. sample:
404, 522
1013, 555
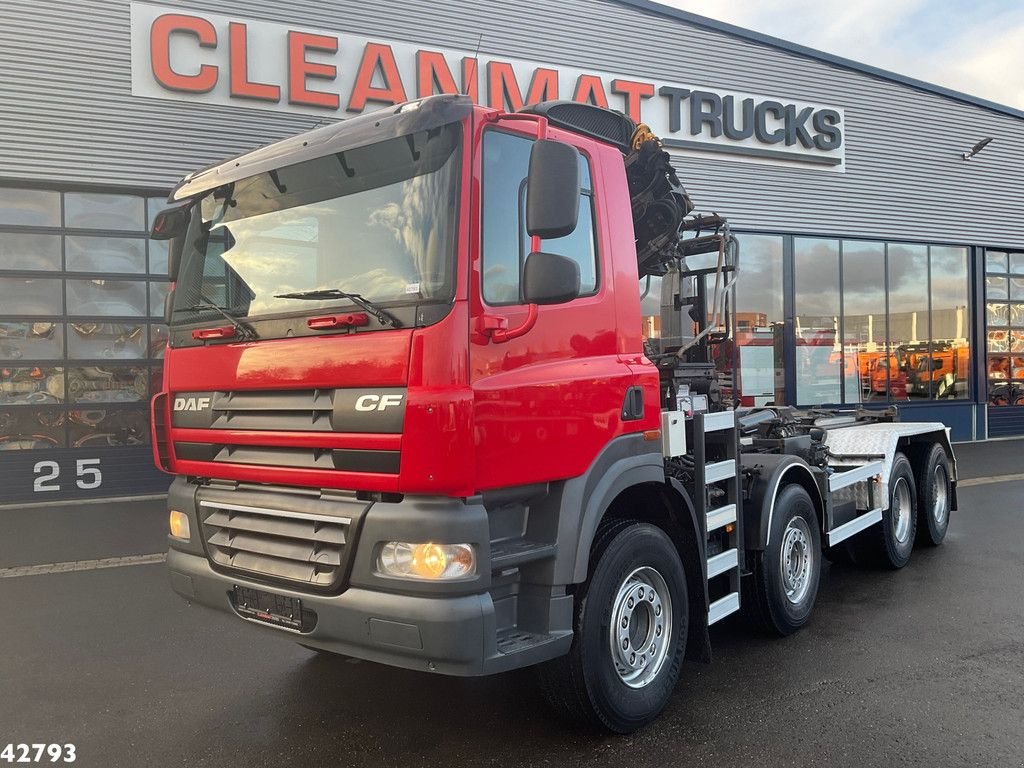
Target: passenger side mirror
553, 189
171, 225
549, 278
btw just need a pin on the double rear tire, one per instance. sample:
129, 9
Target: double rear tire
630, 626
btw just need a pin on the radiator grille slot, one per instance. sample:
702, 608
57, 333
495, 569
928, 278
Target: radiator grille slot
289, 546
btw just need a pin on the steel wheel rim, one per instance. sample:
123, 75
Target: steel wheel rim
640, 633
940, 502
797, 560
900, 509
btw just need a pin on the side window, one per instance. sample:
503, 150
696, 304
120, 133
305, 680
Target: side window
506, 161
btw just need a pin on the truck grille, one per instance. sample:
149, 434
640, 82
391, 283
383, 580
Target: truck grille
295, 547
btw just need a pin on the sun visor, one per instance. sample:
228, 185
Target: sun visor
382, 124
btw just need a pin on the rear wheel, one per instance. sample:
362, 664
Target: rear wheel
785, 579
935, 497
630, 625
891, 542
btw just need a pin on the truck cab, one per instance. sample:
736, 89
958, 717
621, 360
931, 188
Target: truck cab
412, 417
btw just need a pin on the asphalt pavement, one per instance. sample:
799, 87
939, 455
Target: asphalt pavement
919, 667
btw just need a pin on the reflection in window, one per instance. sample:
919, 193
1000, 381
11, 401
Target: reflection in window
158, 257
908, 318
864, 321
759, 321
90, 210
24, 429
157, 297
947, 375
27, 251
97, 340
107, 428
105, 254
106, 298
31, 385
29, 296
158, 336
107, 384
818, 351
31, 340
29, 207
1004, 315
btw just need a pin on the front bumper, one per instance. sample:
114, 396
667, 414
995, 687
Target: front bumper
450, 628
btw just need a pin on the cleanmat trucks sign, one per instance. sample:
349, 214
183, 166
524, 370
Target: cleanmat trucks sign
227, 60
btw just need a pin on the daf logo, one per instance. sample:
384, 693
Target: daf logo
377, 402
191, 403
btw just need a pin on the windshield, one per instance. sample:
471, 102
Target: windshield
377, 220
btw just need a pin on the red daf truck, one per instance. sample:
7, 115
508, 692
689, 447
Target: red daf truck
413, 418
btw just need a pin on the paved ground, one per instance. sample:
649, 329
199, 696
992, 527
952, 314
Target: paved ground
920, 667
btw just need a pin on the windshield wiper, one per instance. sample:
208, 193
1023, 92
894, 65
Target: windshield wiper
242, 330
321, 294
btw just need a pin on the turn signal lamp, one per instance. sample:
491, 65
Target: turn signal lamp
179, 525
426, 562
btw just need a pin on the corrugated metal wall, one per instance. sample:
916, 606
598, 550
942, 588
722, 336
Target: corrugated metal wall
68, 113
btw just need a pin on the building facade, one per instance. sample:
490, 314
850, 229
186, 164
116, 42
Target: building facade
878, 265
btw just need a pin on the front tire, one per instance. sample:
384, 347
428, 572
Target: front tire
935, 498
786, 576
630, 625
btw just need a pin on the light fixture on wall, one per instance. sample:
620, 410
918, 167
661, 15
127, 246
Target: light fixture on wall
976, 148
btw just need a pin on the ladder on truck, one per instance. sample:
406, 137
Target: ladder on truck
715, 442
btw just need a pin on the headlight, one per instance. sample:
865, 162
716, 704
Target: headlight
179, 525
430, 562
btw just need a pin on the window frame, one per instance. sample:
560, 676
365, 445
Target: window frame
522, 245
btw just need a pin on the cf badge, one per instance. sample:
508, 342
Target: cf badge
377, 402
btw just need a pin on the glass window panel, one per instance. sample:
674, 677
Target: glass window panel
24, 429
156, 379
1017, 263
1016, 341
106, 298
105, 254
863, 317
999, 341
996, 287
30, 296
759, 321
158, 336
29, 207
157, 295
951, 323
1005, 393
153, 206
1017, 315
908, 319
104, 428
97, 341
89, 210
31, 385
998, 367
158, 257
997, 313
818, 352
108, 384
31, 341
25, 251
1016, 289
995, 261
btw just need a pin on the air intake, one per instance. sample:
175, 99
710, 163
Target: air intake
596, 122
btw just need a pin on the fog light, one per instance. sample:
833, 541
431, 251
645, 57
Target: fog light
431, 562
179, 525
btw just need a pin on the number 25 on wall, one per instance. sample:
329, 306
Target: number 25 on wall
47, 472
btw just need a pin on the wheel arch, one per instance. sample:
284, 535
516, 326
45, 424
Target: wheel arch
772, 473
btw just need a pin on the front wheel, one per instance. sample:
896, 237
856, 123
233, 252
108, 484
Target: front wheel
631, 619
785, 578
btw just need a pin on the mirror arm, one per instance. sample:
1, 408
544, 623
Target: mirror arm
501, 335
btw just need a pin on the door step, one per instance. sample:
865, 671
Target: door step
516, 552
722, 607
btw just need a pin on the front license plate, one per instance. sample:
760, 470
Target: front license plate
268, 608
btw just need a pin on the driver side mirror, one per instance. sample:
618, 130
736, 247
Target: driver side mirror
552, 190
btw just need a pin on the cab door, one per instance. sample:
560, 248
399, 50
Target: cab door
547, 402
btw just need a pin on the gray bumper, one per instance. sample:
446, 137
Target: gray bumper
436, 634
454, 628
